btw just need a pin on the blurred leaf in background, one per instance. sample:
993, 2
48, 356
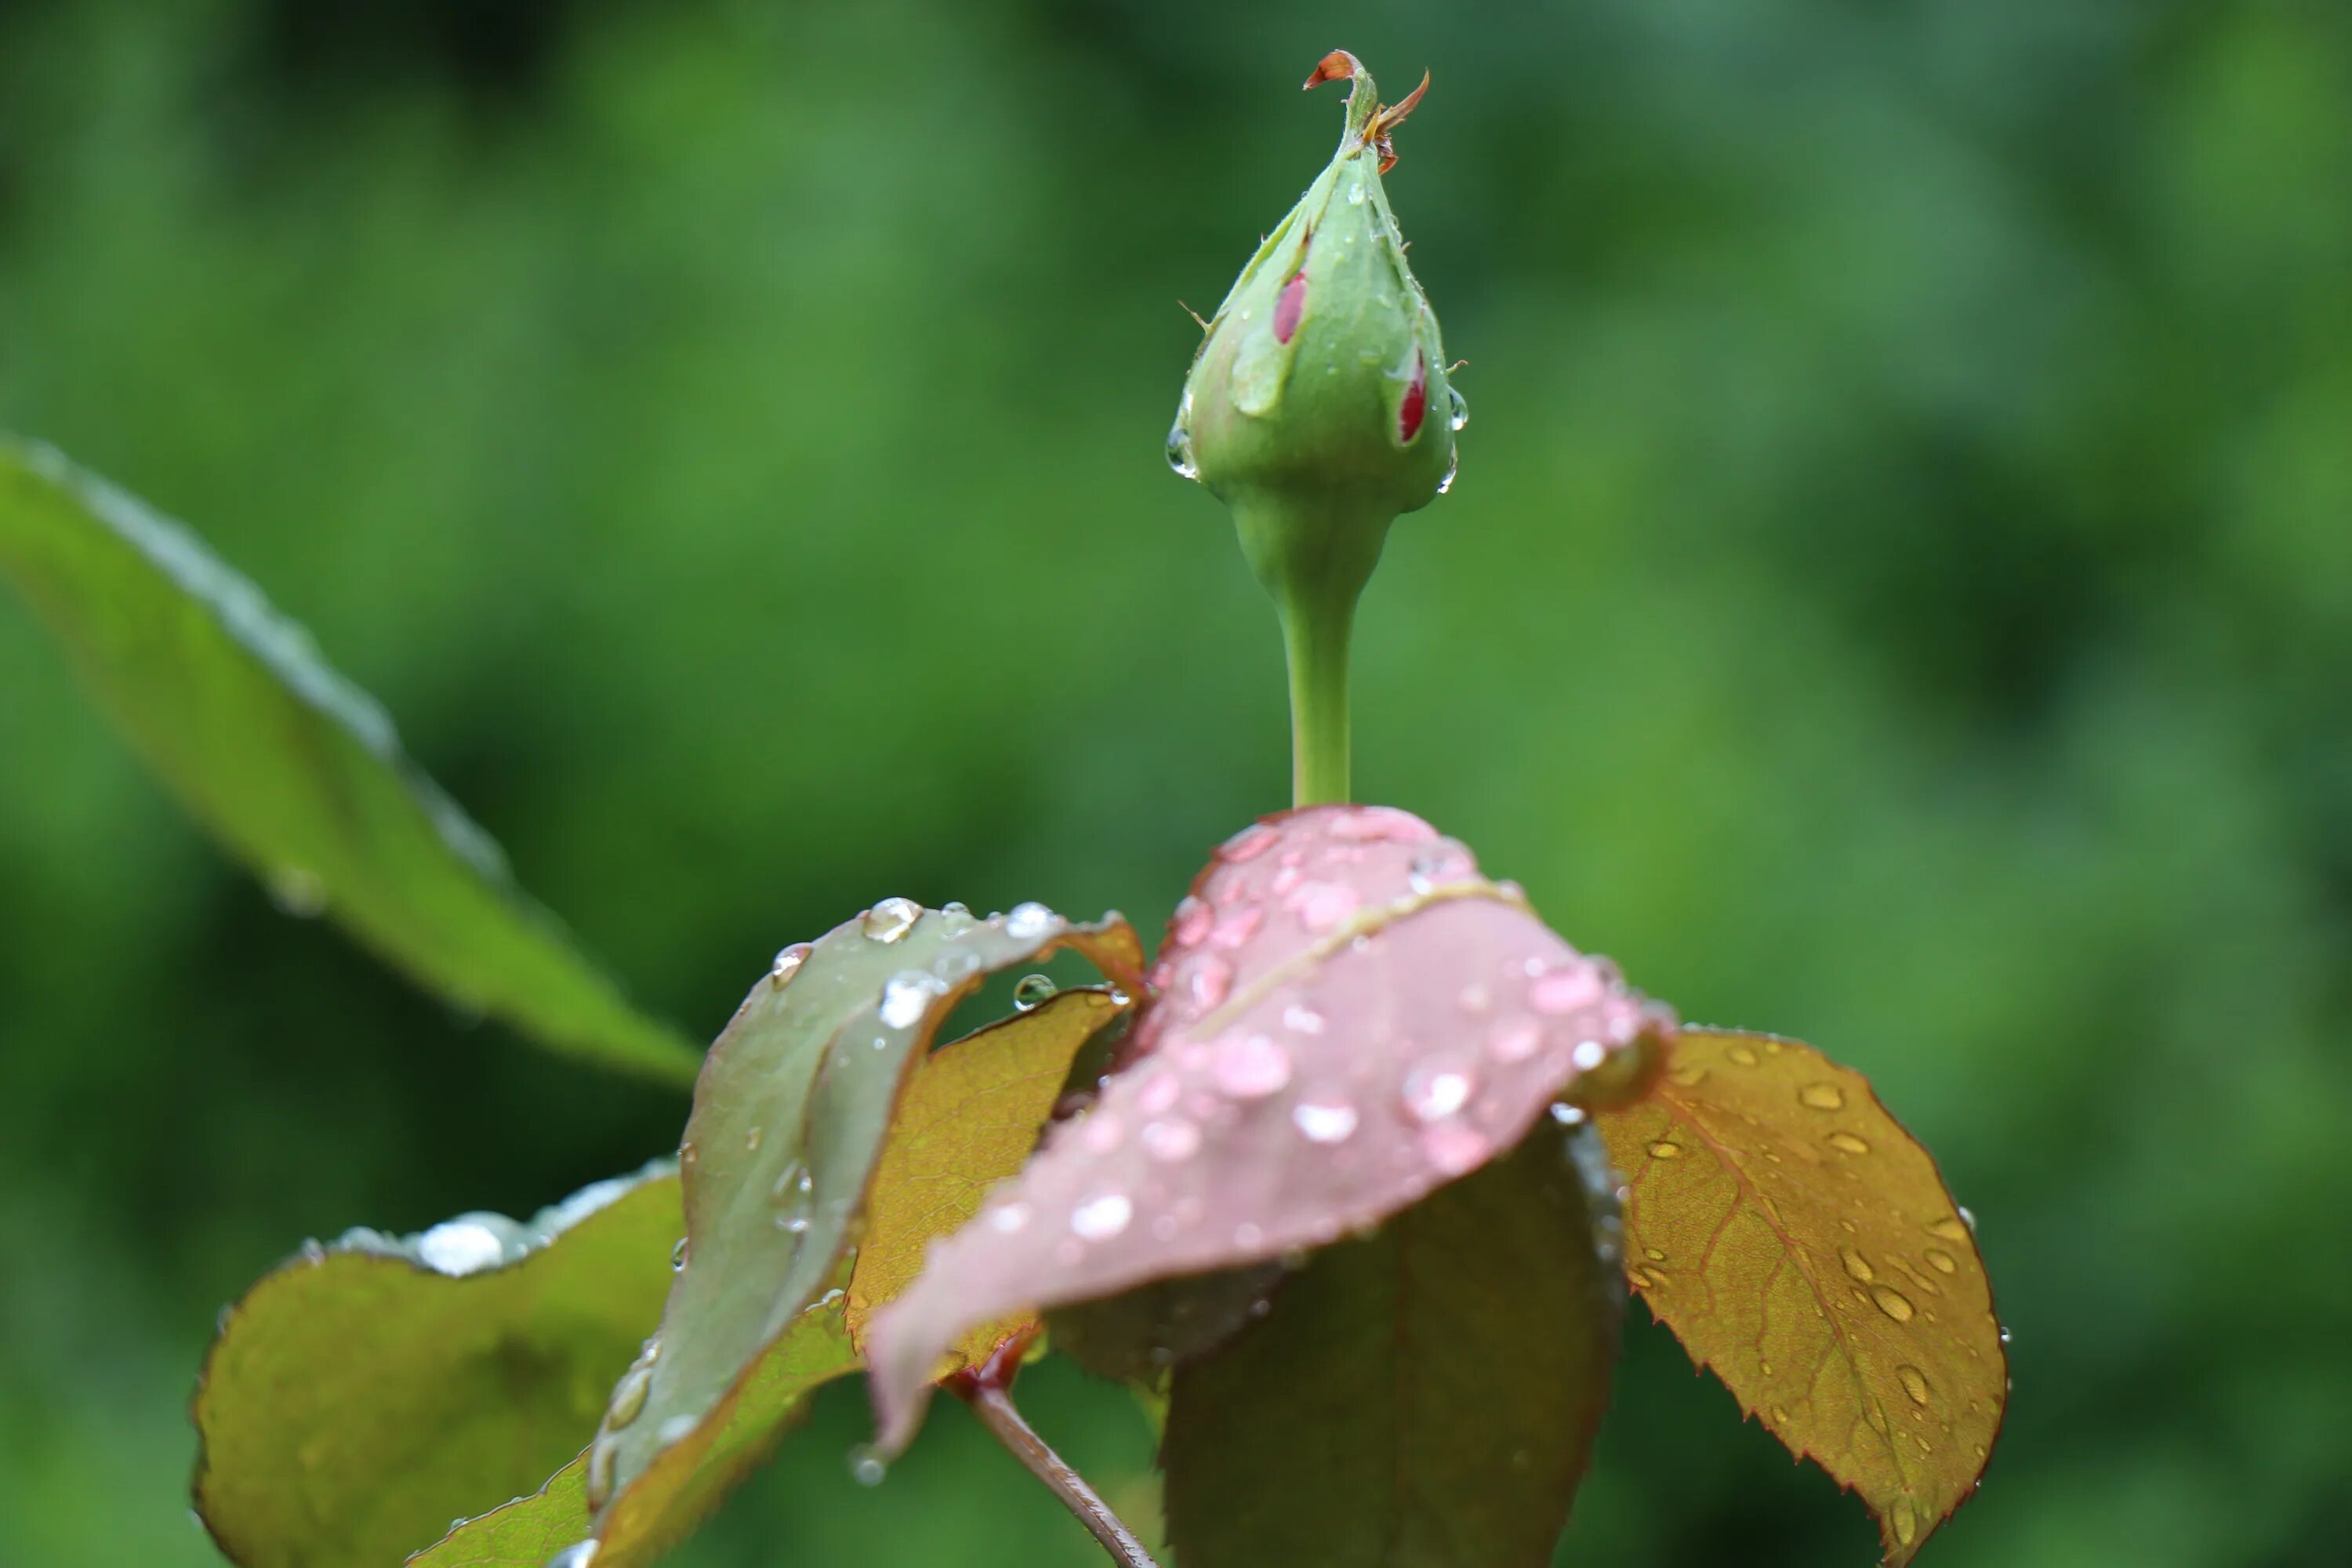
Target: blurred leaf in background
1899, 590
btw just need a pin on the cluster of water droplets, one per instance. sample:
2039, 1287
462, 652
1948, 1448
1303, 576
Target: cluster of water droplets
1207, 1075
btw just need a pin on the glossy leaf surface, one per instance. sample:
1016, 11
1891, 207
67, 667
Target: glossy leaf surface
296, 770
1347, 1015
362, 1395
969, 1119
788, 1125
1803, 1248
1424, 1399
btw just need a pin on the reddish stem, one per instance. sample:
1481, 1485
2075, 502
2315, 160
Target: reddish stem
988, 1389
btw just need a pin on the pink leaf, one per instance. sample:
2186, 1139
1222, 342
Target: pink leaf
1348, 1015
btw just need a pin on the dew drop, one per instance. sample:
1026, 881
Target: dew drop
460, 1246
1657, 1254
604, 1457
1248, 844
1248, 1065
1324, 1122
1099, 1219
1907, 1521
890, 920
751, 1140
1741, 1055
1941, 1261
1159, 1092
1300, 1019
1848, 1143
794, 1194
1663, 1150
1460, 416
1453, 1149
678, 1254
1192, 921
1515, 1040
1968, 1219
866, 1467
1914, 1382
1438, 1089
1236, 928
1453, 466
1823, 1095
788, 964
1207, 981
1006, 1218
579, 1555
1030, 992
1949, 1228
1031, 921
1179, 451
629, 1396
675, 1430
1564, 990
1322, 906
1568, 1115
1684, 1077
1170, 1139
908, 996
1892, 1302
1356, 195
1588, 1055
1856, 1266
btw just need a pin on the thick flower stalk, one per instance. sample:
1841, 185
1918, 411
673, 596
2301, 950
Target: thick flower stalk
1319, 409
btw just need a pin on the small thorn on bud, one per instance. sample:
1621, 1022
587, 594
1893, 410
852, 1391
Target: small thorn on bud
1195, 314
1457, 364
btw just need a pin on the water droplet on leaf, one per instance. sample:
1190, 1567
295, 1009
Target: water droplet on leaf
1324, 1122
1099, 1219
890, 920
1823, 1095
1032, 991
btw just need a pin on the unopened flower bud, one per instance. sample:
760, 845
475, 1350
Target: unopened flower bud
1322, 375
1319, 409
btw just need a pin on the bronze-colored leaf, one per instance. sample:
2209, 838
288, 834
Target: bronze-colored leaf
969, 1120
1803, 1248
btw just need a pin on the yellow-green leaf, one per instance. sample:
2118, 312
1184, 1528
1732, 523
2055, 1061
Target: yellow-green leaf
363, 1394
293, 768
1803, 1248
535, 1529
968, 1120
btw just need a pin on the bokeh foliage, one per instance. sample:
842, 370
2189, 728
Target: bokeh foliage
1899, 590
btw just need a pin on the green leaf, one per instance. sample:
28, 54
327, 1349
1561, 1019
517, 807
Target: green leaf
535, 1529
789, 1119
297, 772
1424, 1399
363, 1394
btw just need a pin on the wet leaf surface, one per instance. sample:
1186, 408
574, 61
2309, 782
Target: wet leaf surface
296, 770
788, 1127
1347, 1016
363, 1394
1803, 1248
1425, 1397
969, 1119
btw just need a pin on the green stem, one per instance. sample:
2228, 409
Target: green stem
1315, 634
1315, 561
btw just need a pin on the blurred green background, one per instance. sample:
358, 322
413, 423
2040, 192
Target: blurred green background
1899, 593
